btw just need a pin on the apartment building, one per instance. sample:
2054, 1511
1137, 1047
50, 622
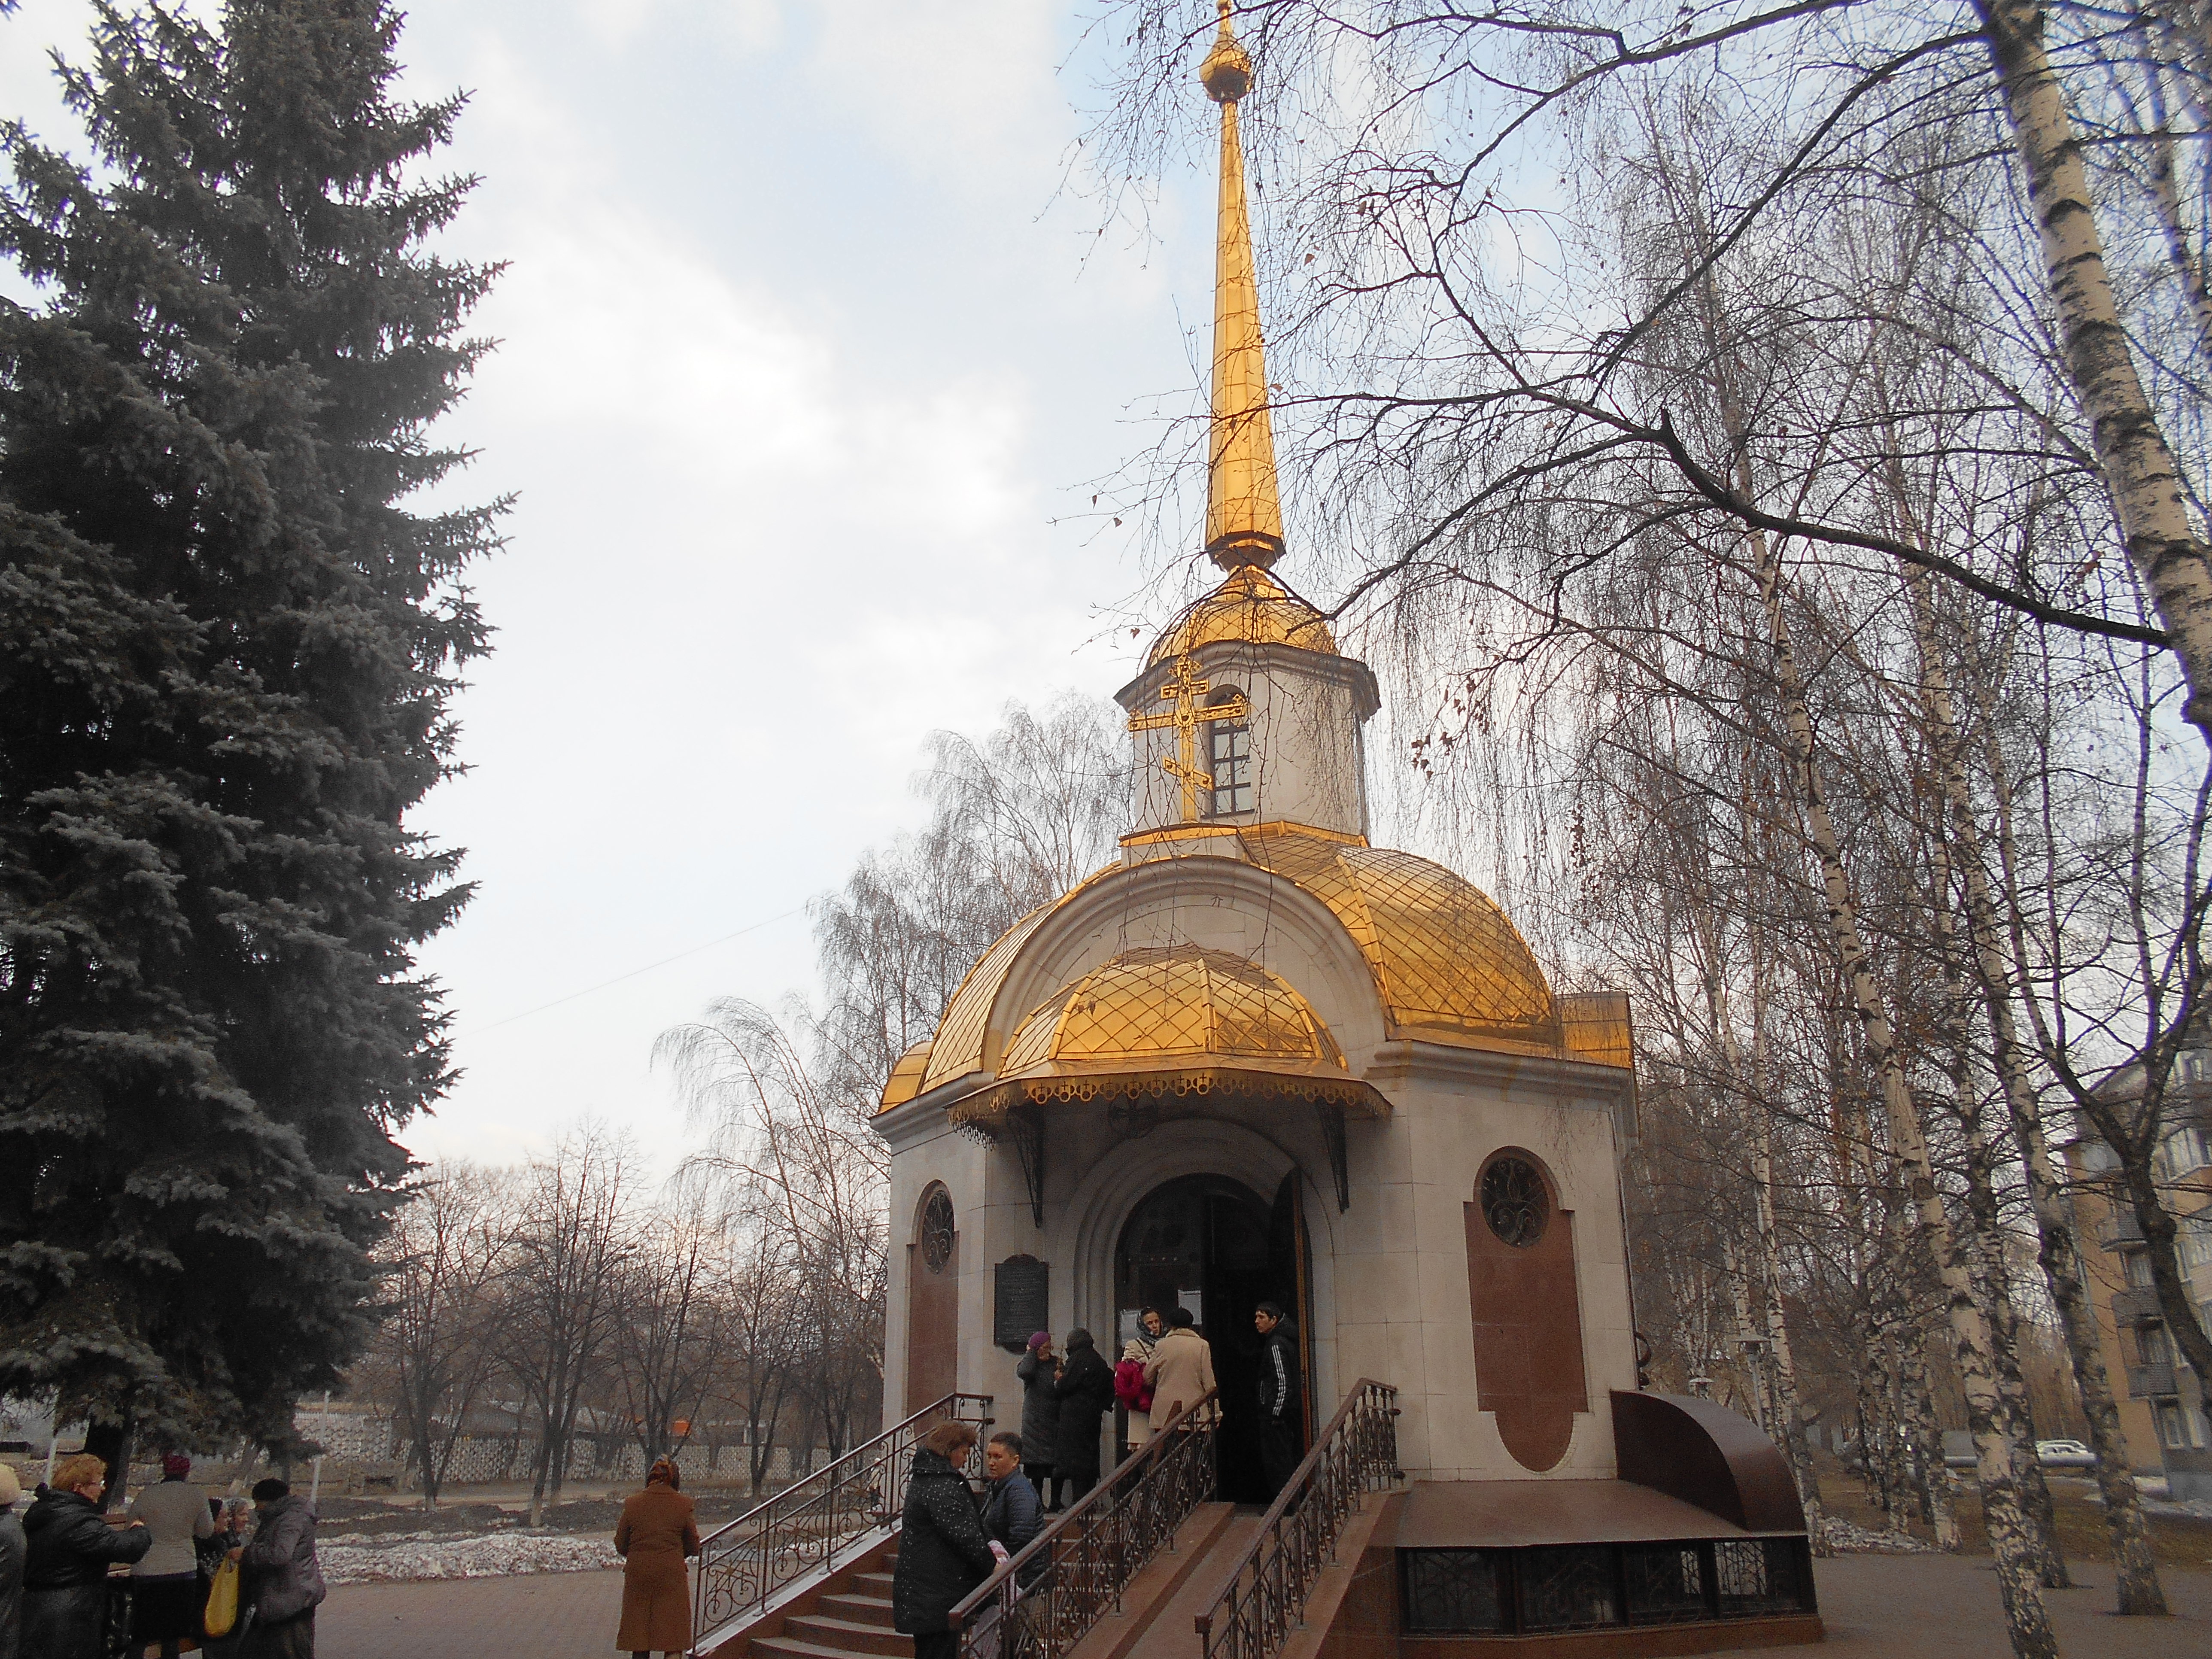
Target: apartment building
2162, 1404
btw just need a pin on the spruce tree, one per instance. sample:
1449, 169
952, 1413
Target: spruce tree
228, 649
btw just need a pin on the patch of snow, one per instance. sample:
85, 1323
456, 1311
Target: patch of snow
2199, 1508
1842, 1537
414, 1557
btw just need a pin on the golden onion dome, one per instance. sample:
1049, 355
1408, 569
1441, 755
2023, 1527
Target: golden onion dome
1177, 1003
905, 1080
1251, 608
1447, 964
1179, 1020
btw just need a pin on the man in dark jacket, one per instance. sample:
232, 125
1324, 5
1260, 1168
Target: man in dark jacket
1085, 1390
1281, 1417
67, 1546
943, 1552
280, 1579
1040, 1411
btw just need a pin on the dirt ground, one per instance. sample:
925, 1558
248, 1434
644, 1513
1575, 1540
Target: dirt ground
2179, 1540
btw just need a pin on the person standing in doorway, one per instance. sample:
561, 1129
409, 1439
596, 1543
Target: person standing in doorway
1181, 1372
1085, 1389
1280, 1413
166, 1598
1040, 1411
942, 1549
1132, 1380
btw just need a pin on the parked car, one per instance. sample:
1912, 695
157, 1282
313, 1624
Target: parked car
2064, 1455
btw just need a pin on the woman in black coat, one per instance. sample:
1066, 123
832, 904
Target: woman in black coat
1085, 1390
943, 1552
68, 1545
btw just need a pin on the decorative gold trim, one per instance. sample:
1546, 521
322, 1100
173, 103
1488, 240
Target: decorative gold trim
988, 1107
1278, 827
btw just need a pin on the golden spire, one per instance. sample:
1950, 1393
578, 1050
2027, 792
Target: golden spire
1244, 515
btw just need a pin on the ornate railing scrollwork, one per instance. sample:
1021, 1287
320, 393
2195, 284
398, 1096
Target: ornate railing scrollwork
1039, 1604
802, 1529
1265, 1598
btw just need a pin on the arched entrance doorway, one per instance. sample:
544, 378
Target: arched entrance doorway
1211, 1244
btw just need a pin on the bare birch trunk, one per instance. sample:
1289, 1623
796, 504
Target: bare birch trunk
1991, 1271
1795, 1444
2018, 1568
1923, 1471
2168, 555
2135, 1563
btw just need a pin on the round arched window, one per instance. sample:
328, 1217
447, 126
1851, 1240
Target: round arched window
1515, 1201
936, 1239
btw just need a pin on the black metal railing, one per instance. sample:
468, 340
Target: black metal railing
803, 1528
1070, 1576
1265, 1599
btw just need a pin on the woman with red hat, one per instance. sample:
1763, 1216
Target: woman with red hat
166, 1596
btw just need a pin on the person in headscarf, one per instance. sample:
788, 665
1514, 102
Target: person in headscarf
657, 1533
1039, 1411
1131, 1387
165, 1583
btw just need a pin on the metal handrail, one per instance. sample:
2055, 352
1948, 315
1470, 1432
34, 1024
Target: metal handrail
1041, 1602
803, 1528
1265, 1598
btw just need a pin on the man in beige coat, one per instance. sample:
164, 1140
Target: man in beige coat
1181, 1370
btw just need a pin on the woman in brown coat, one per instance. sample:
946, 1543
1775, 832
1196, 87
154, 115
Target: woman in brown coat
654, 1535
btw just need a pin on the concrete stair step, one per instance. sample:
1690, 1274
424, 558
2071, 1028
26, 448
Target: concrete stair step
846, 1635
873, 1583
860, 1609
790, 1646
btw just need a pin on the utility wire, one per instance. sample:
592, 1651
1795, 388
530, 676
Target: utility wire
557, 1002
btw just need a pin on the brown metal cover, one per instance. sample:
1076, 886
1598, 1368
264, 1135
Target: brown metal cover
1705, 1455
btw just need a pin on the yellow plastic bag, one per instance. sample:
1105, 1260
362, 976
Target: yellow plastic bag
223, 1600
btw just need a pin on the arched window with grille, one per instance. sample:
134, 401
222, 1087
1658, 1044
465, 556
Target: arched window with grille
1228, 753
932, 1300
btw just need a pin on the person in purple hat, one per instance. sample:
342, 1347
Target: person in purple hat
165, 1597
1039, 1411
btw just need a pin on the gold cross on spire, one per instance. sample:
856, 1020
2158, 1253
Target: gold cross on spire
1186, 688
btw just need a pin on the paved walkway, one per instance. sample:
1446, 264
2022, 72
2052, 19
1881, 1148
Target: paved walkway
1877, 1607
544, 1615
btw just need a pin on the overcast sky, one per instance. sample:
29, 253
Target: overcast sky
805, 361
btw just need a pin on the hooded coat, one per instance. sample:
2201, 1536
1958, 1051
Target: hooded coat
943, 1552
279, 1576
67, 1546
1084, 1391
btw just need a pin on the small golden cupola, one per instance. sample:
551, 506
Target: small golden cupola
1156, 1023
1247, 713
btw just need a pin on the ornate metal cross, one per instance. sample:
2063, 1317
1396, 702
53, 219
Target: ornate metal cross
1187, 690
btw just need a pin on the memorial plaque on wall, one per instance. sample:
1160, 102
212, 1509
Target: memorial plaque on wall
1020, 1301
